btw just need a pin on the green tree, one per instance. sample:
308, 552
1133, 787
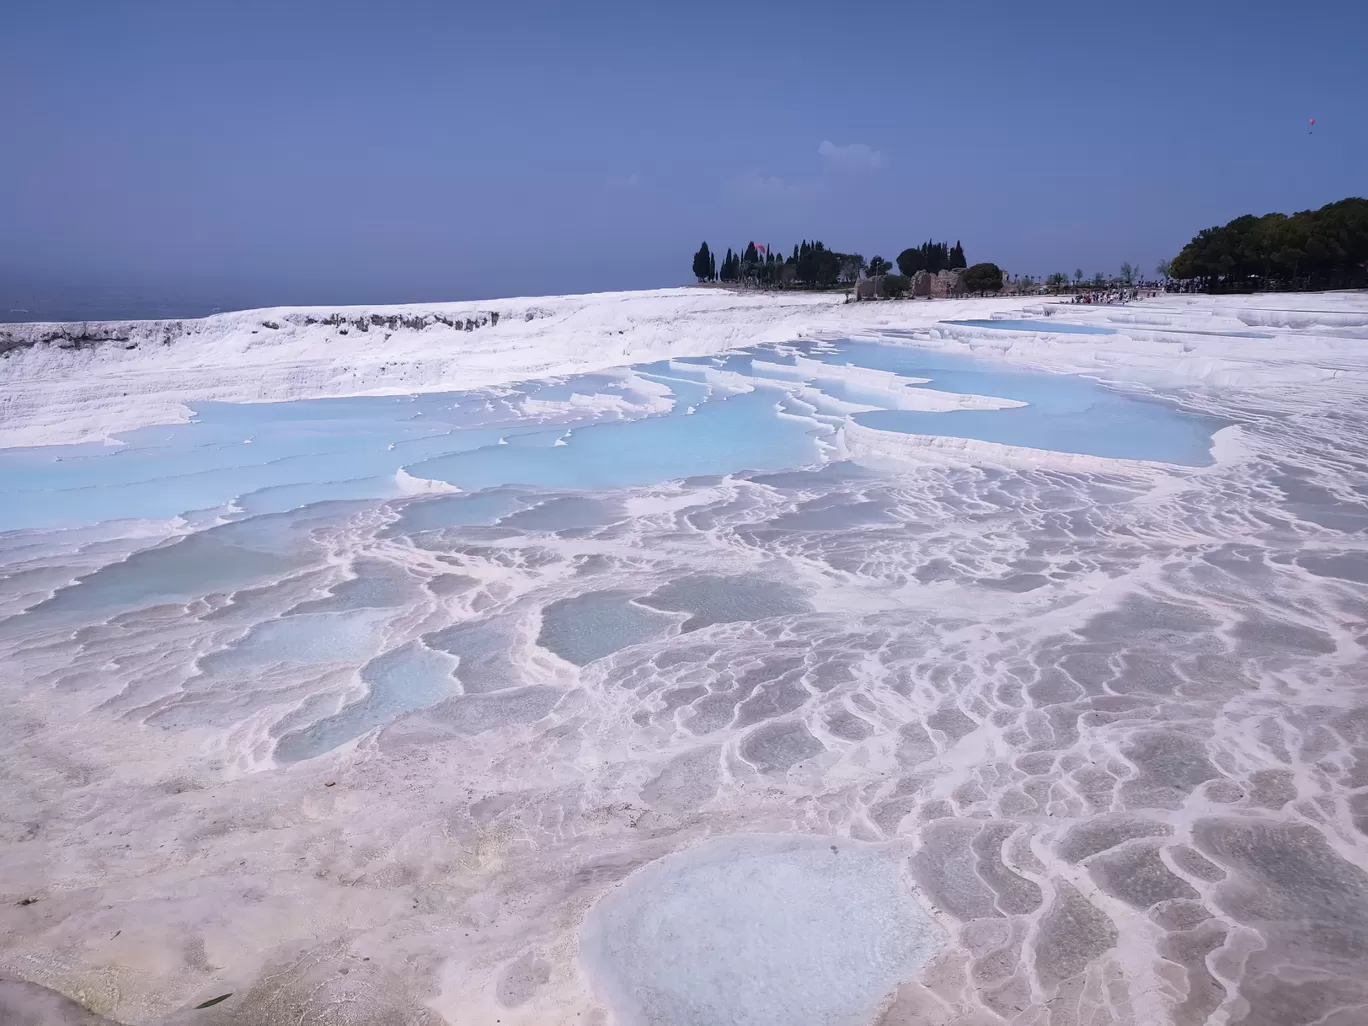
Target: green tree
1128, 273
1078, 276
1311, 249
712, 267
877, 266
1163, 268
728, 272
816, 265
1057, 281
828, 267
750, 263
983, 278
702, 263
931, 256
805, 267
911, 260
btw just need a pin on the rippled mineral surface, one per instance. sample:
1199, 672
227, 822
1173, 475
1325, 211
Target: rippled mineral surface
905, 679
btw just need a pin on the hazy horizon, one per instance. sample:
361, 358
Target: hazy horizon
172, 161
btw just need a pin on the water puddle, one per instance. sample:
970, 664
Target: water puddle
1054, 327
763, 409
757, 932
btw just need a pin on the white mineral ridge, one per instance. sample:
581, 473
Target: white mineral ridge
54, 392
410, 485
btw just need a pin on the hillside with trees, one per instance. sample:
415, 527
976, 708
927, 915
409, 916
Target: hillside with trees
931, 256
983, 278
811, 265
1308, 250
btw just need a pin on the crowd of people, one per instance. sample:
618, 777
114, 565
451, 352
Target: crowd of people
1116, 295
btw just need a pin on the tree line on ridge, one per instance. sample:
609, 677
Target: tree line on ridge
1306, 251
812, 265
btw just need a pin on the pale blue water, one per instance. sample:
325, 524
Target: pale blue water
403, 680
308, 639
1118, 429
1059, 328
276, 481
1065, 413
269, 458
222, 559
1052, 326
273, 457
710, 600
740, 432
455, 511
596, 624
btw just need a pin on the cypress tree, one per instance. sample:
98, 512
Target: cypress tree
937, 255
702, 263
727, 274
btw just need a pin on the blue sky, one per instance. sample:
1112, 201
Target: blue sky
246, 153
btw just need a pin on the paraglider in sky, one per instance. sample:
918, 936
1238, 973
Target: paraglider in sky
1313, 127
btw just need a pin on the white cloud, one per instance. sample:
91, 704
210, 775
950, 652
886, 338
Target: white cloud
632, 181
851, 157
756, 183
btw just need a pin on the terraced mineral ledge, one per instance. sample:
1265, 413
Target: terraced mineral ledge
681, 658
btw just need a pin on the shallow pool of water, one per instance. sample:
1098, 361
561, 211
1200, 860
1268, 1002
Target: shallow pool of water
400, 681
1064, 413
757, 409
757, 931
738, 432
1056, 327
